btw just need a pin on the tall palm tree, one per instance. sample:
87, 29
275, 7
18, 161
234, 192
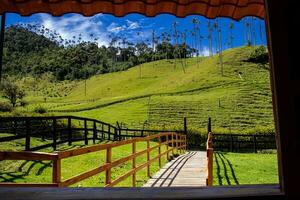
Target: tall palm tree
195, 22
231, 26
209, 37
175, 51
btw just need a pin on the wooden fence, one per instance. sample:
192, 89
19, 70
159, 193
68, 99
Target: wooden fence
175, 143
209, 154
65, 129
243, 142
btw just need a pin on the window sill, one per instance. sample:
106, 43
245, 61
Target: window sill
224, 192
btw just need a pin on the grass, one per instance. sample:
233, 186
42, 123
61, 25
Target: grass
41, 171
164, 94
245, 168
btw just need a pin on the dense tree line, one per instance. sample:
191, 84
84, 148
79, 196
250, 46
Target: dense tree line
28, 51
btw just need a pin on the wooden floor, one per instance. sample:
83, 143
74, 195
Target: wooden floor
187, 170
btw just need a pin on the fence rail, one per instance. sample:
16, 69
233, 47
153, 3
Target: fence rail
173, 141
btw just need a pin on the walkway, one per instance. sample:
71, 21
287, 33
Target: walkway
187, 170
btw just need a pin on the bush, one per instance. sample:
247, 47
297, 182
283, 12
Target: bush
40, 109
23, 103
5, 107
259, 55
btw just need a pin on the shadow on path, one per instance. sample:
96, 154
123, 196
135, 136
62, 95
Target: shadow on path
183, 160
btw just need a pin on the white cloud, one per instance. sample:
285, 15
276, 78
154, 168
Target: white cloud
115, 28
132, 25
73, 24
204, 51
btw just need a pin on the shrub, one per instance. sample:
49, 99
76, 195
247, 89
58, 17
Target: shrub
40, 109
259, 55
5, 107
23, 103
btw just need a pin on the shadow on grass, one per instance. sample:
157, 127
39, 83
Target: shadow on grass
221, 159
21, 173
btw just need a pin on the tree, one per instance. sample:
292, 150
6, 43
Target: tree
231, 26
12, 92
209, 37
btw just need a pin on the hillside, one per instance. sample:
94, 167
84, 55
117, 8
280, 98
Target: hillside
238, 101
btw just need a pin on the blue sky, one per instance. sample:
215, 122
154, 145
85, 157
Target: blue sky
103, 26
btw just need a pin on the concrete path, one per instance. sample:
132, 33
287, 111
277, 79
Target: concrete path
187, 170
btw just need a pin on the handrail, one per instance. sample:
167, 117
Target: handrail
209, 154
173, 141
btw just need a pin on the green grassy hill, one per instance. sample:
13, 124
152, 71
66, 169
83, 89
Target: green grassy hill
158, 94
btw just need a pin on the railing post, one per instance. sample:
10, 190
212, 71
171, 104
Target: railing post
159, 151
134, 164
209, 151
56, 172
86, 142
108, 161
209, 125
28, 133
54, 134
167, 141
210, 167
185, 142
94, 132
148, 158
176, 143
173, 145
69, 131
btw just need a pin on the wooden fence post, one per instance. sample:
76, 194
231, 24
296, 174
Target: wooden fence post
209, 151
173, 145
116, 134
56, 171
254, 144
176, 143
108, 132
185, 125
94, 132
209, 125
210, 167
108, 161
148, 158
102, 134
159, 151
231, 143
69, 131
86, 142
134, 164
54, 133
167, 140
28, 133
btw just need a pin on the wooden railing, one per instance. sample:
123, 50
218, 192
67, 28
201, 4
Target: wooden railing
210, 152
175, 143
